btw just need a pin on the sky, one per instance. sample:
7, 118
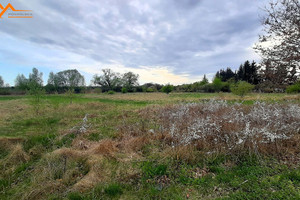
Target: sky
164, 41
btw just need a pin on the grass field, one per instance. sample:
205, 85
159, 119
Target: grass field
150, 146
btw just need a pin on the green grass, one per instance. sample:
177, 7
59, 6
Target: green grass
8, 98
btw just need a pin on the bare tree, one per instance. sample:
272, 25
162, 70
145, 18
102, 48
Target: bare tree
280, 45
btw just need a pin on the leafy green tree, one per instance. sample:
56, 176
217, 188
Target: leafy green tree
241, 88
130, 80
21, 82
204, 80
167, 88
65, 80
68, 78
36, 90
51, 79
217, 84
36, 77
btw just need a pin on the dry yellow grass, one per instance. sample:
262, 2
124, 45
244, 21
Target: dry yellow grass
131, 96
12, 108
178, 97
16, 156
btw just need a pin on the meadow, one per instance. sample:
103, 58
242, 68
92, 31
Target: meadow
150, 146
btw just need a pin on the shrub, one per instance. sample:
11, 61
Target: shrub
75, 196
241, 88
149, 90
111, 92
167, 88
216, 126
124, 90
293, 88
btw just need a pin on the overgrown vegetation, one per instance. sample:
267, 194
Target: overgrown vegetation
126, 146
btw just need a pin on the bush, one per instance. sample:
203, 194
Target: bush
110, 92
149, 90
167, 88
208, 88
241, 88
293, 88
75, 196
124, 90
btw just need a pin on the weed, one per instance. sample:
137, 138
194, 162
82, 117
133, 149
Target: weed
66, 140
3, 152
151, 169
46, 141
113, 190
75, 196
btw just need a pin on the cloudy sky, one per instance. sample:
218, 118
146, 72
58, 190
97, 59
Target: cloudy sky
165, 41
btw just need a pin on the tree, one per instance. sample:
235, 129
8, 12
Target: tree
68, 78
280, 45
52, 80
52, 83
241, 88
21, 82
248, 72
225, 75
36, 77
108, 81
167, 88
36, 92
204, 80
1, 82
253, 76
130, 80
217, 84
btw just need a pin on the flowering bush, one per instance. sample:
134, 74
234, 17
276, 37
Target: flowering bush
218, 125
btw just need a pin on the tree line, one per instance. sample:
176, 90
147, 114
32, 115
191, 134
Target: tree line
225, 80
